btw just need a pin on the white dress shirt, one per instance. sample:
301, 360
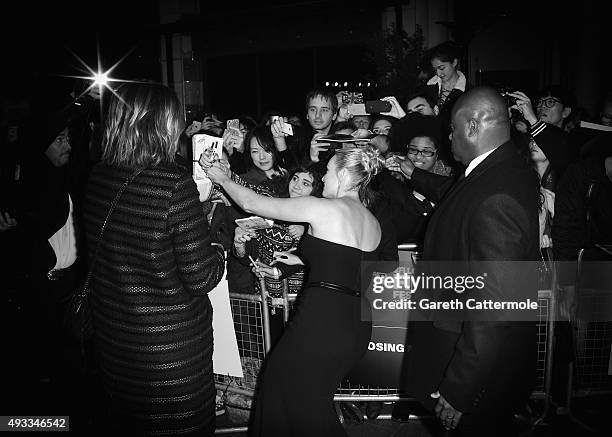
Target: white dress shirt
63, 243
474, 162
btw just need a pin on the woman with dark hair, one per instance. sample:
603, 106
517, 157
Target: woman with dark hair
263, 244
448, 83
382, 124
548, 181
301, 181
153, 267
261, 157
419, 141
327, 335
234, 143
265, 174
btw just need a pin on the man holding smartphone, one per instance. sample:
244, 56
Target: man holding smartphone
321, 112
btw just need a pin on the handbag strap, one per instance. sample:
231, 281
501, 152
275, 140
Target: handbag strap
127, 181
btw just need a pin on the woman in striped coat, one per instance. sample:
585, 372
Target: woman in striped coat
154, 268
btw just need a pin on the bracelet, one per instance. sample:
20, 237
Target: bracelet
277, 273
217, 244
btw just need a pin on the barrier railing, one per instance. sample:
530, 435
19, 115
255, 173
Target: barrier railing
252, 323
590, 375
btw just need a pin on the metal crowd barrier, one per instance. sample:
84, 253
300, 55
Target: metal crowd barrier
591, 373
252, 324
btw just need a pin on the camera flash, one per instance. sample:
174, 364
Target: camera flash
100, 79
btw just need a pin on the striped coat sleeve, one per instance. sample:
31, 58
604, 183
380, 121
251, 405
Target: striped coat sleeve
200, 265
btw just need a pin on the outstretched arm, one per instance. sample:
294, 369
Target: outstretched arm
300, 209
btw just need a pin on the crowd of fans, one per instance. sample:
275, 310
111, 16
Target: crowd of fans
49, 156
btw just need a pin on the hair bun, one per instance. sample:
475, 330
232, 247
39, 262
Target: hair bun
371, 159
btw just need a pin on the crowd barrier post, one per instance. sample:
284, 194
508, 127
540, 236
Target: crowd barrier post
590, 374
547, 304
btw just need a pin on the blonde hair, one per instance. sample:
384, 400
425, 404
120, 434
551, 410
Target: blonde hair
361, 164
143, 126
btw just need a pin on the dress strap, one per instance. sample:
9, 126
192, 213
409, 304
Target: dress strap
333, 286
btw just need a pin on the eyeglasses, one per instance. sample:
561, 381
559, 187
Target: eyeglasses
425, 153
549, 102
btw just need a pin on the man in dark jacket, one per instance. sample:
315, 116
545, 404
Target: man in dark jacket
583, 205
49, 218
478, 372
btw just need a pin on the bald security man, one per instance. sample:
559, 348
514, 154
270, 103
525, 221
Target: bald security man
476, 373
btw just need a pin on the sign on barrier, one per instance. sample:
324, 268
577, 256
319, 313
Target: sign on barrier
382, 363
226, 360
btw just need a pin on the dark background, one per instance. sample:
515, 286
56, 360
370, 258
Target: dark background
258, 56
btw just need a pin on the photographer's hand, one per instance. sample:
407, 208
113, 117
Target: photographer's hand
241, 235
400, 164
193, 128
264, 270
218, 173
286, 257
229, 141
396, 109
296, 231
316, 148
523, 105
278, 135
212, 124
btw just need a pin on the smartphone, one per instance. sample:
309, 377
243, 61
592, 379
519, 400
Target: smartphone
357, 109
234, 123
377, 106
205, 143
287, 128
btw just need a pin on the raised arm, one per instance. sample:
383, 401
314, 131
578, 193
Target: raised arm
300, 209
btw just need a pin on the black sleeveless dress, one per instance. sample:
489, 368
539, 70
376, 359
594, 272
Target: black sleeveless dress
322, 343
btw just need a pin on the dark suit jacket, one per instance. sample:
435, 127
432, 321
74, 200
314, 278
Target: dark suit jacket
479, 367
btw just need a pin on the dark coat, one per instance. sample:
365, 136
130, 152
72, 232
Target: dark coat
453, 96
581, 220
152, 315
480, 367
408, 214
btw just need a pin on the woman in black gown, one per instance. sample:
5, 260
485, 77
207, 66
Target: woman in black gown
327, 335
